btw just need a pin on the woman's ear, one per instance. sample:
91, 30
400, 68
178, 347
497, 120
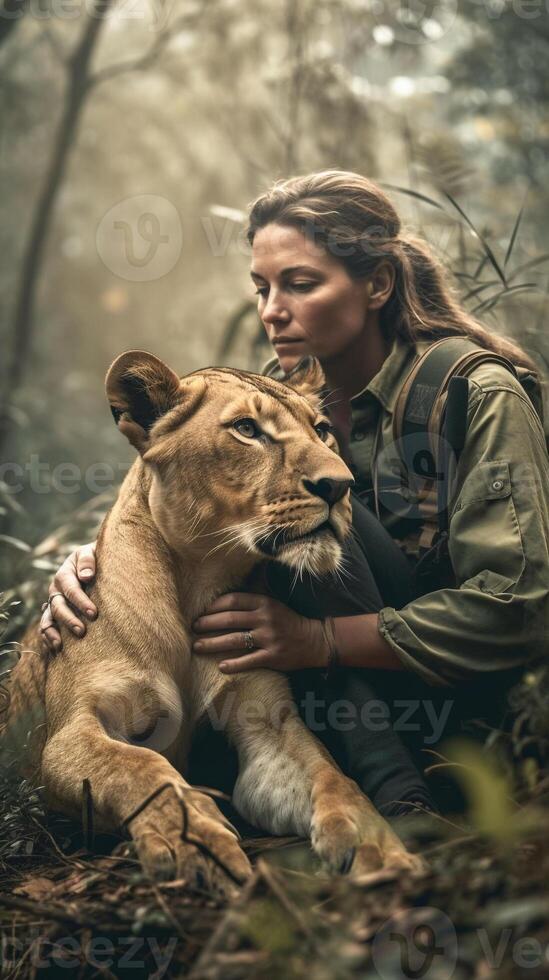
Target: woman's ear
380, 285
140, 389
307, 378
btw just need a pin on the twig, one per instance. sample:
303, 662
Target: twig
450, 843
230, 921
87, 814
72, 862
50, 911
168, 913
270, 880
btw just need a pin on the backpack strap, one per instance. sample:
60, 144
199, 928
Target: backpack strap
430, 425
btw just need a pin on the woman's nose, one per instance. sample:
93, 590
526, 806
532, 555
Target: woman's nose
274, 309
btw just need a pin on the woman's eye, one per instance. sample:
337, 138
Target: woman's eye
247, 428
323, 430
261, 291
303, 287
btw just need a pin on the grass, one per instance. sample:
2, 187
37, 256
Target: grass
75, 906
69, 906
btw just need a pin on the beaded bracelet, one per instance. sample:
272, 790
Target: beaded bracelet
332, 662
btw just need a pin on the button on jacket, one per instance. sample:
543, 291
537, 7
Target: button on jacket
497, 616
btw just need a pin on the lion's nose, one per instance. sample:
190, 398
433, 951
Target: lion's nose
328, 489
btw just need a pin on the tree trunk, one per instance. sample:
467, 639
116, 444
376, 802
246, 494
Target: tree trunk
77, 88
11, 12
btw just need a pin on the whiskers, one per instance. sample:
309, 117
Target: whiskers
194, 527
329, 399
244, 533
342, 572
249, 535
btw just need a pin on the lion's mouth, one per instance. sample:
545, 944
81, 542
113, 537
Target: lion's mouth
271, 544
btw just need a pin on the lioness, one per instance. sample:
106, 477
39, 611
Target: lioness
233, 468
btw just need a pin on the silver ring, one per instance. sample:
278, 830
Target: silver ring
52, 597
249, 642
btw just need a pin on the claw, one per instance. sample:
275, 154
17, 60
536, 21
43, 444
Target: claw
230, 826
347, 862
200, 879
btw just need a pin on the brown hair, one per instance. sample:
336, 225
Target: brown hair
354, 220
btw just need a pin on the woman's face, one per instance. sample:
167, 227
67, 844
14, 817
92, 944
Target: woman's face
307, 301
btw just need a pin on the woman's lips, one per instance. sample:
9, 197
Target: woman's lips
285, 343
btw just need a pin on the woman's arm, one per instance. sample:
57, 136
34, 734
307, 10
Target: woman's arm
360, 644
71, 606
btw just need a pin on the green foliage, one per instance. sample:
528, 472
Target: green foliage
488, 789
269, 926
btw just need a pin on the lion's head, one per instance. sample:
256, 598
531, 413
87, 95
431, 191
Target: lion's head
240, 463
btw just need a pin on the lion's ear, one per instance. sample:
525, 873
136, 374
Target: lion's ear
140, 389
307, 378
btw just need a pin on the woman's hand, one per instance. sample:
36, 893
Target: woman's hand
71, 604
283, 639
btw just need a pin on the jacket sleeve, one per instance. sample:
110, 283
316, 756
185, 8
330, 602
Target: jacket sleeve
498, 617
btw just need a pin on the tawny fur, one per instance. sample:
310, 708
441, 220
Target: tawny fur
118, 707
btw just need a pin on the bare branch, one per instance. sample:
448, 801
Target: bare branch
49, 35
147, 59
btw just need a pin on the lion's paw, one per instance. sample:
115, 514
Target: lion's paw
357, 841
176, 839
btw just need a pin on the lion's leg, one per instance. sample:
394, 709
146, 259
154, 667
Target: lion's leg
288, 783
123, 776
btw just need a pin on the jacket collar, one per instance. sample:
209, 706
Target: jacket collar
385, 385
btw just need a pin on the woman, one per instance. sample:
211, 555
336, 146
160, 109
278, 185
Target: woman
337, 278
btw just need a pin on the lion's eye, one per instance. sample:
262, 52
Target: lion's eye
323, 430
247, 428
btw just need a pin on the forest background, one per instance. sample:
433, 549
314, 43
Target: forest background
134, 134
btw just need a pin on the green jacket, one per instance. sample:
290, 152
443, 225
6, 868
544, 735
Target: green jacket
497, 617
